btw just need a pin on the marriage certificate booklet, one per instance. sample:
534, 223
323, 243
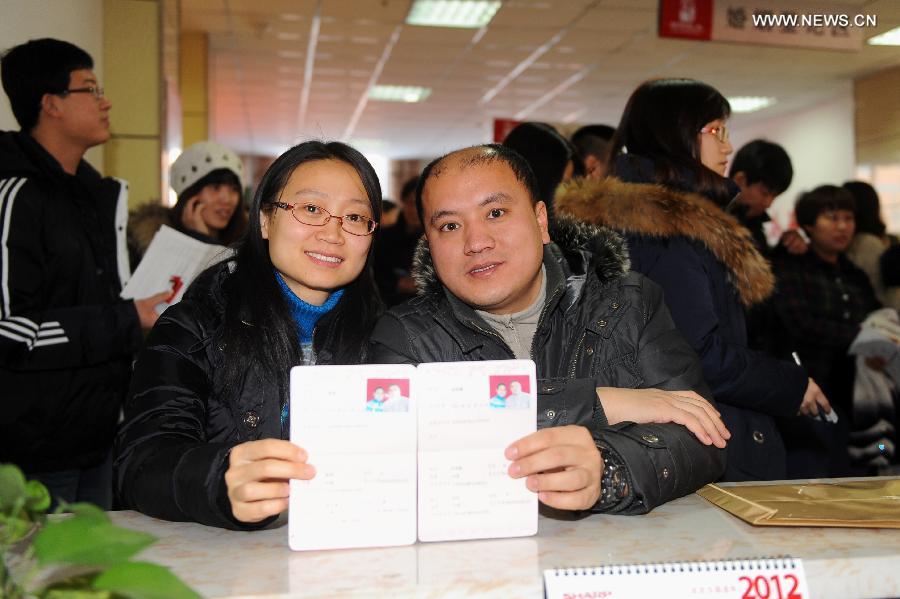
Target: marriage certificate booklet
404, 452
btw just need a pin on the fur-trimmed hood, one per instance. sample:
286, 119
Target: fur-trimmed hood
600, 248
143, 224
657, 211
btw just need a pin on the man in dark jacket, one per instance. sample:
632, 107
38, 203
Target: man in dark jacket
601, 338
66, 337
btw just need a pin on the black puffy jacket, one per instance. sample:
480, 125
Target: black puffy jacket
180, 420
66, 337
601, 327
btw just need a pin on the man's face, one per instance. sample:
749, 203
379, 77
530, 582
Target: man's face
84, 119
486, 236
501, 390
515, 387
378, 394
394, 391
757, 197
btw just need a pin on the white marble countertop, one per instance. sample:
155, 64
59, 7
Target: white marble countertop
839, 562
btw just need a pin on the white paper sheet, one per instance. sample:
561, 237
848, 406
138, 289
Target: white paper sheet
367, 429
171, 254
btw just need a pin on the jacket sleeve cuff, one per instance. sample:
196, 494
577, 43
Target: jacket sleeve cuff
570, 401
205, 498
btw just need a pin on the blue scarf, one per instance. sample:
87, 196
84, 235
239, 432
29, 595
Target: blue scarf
306, 316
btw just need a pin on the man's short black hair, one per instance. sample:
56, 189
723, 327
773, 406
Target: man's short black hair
482, 154
594, 140
765, 162
825, 197
35, 68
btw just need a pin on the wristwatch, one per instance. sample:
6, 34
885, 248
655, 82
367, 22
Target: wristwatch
614, 480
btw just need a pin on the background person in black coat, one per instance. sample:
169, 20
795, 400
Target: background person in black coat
208, 408
675, 134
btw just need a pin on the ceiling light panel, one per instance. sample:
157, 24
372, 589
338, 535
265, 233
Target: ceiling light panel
743, 104
467, 14
888, 38
399, 93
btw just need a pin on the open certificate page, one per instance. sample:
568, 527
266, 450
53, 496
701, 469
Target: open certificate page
368, 429
364, 452
469, 413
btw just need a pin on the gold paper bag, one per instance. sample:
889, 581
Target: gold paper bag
854, 503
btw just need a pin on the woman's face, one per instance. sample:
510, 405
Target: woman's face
832, 232
714, 153
217, 204
317, 260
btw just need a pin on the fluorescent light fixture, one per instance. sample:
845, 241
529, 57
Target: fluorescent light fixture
399, 93
368, 143
749, 103
888, 38
467, 14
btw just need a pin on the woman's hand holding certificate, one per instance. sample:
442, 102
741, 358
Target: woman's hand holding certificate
258, 474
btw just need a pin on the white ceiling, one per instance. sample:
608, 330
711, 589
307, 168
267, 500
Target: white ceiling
258, 55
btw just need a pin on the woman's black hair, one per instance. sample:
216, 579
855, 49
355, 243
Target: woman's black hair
221, 176
258, 321
868, 208
661, 122
547, 152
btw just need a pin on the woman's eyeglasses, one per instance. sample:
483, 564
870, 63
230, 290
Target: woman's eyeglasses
316, 216
721, 133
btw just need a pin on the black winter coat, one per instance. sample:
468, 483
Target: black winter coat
709, 271
181, 422
600, 327
66, 337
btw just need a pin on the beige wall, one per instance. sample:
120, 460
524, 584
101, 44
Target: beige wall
132, 56
878, 117
79, 23
193, 54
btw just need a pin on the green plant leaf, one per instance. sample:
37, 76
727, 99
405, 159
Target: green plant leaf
140, 580
12, 487
75, 587
37, 497
13, 529
76, 594
88, 511
84, 539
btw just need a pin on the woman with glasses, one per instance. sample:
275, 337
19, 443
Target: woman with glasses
207, 412
667, 197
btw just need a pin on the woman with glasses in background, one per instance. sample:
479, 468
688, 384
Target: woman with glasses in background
667, 197
207, 413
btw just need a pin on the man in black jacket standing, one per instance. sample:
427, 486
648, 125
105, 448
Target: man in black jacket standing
66, 337
623, 426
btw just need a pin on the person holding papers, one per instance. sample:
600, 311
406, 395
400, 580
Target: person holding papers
208, 179
207, 412
67, 338
623, 422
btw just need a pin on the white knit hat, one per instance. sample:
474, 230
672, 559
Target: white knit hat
201, 159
